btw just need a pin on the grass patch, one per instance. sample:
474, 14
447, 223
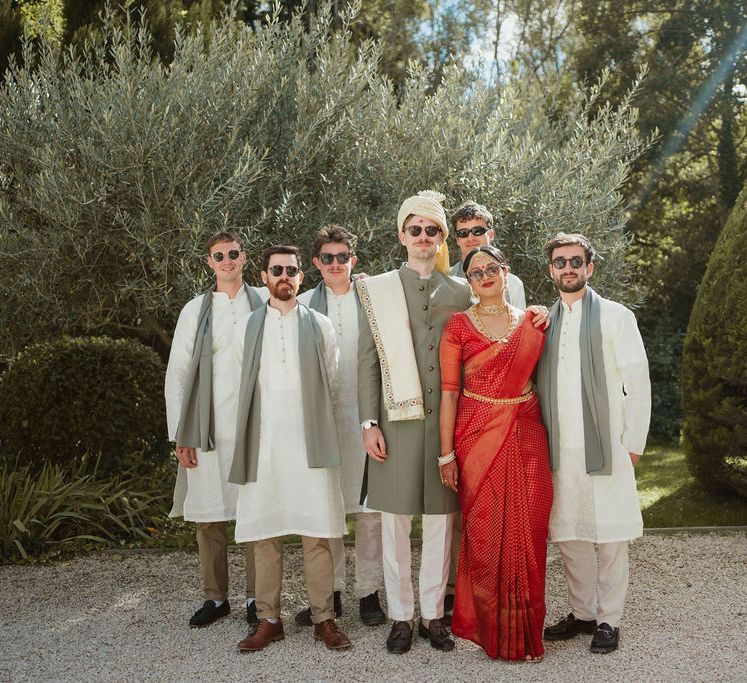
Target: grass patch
671, 497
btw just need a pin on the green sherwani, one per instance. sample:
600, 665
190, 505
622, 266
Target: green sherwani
408, 483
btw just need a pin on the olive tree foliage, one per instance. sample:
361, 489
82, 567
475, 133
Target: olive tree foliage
115, 168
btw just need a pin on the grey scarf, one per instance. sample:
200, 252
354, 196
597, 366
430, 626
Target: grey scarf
320, 430
318, 300
197, 421
594, 398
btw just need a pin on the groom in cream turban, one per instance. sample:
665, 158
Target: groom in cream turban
399, 390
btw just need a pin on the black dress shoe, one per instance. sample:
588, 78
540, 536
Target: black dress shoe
303, 618
448, 609
400, 638
569, 627
370, 610
606, 639
251, 614
208, 613
438, 634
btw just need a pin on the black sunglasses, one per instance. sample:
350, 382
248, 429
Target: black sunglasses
575, 261
464, 232
415, 230
478, 274
277, 271
219, 255
328, 259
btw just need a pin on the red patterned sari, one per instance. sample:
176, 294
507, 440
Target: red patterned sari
505, 489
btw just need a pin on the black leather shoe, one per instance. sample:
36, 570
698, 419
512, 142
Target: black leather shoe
251, 614
208, 613
438, 634
303, 618
400, 638
448, 609
569, 628
606, 639
370, 610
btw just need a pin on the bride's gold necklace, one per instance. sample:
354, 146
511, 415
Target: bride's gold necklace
474, 314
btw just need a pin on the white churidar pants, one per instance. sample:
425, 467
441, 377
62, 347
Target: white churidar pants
367, 555
597, 580
434, 565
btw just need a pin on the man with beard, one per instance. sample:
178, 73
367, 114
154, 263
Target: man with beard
399, 391
287, 455
336, 297
202, 381
473, 228
596, 402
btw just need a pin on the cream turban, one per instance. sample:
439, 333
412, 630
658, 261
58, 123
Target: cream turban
428, 205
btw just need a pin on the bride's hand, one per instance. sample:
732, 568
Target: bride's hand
449, 475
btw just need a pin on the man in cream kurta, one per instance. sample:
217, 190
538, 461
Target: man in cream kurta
203, 494
473, 228
286, 486
595, 511
399, 389
335, 297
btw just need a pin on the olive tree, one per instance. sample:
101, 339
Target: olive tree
114, 167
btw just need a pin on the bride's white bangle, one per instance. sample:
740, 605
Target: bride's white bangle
446, 459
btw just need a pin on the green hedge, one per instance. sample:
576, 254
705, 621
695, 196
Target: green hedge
74, 397
714, 378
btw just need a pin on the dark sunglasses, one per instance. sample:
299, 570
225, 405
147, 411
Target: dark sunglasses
415, 230
575, 261
477, 232
328, 259
478, 274
219, 255
277, 271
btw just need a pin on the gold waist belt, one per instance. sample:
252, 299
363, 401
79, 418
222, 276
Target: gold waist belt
500, 401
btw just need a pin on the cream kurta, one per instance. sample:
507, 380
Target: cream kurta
209, 496
343, 313
289, 497
601, 508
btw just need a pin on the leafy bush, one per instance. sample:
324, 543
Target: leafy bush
715, 363
114, 167
76, 396
41, 510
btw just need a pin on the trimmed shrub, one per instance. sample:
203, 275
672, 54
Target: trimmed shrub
73, 397
714, 379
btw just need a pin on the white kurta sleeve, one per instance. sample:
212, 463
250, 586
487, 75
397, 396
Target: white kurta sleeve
632, 364
516, 292
179, 359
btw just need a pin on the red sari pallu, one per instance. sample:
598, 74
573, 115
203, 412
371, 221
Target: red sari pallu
505, 489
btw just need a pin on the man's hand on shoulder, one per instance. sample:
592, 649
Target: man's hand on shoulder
186, 456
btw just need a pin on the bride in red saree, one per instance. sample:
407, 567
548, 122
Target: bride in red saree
491, 418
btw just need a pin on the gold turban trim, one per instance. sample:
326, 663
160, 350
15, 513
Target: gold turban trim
428, 205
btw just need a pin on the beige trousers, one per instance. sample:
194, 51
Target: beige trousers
597, 579
213, 550
317, 569
368, 568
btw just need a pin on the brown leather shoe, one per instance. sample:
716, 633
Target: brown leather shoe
330, 633
264, 634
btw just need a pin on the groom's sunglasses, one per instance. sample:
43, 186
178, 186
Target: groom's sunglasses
219, 255
277, 271
415, 230
328, 259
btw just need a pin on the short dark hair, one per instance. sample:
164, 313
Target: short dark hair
563, 239
280, 249
492, 251
469, 211
224, 236
334, 233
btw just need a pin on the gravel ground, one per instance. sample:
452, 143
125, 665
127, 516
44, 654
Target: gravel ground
123, 616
